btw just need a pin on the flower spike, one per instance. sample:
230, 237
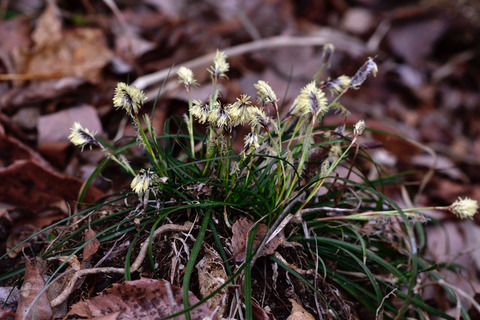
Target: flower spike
129, 98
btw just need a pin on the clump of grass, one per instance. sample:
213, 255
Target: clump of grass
288, 175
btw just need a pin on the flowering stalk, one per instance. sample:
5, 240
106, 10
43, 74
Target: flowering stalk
327, 52
82, 137
131, 100
463, 208
185, 76
217, 70
359, 127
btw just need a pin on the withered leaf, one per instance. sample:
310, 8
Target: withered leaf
145, 299
240, 230
211, 275
92, 246
30, 290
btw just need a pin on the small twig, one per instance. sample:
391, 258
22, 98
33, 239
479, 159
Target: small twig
295, 268
138, 261
342, 41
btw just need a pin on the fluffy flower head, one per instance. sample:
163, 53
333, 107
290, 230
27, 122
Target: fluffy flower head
251, 141
200, 111
240, 110
359, 128
220, 65
464, 208
336, 86
185, 76
265, 92
311, 101
368, 67
258, 118
220, 116
141, 182
129, 98
82, 137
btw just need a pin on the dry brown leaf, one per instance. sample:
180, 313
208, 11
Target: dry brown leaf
18, 235
15, 33
28, 181
38, 92
5, 313
29, 185
260, 314
240, 230
211, 275
92, 246
31, 288
298, 312
80, 52
139, 299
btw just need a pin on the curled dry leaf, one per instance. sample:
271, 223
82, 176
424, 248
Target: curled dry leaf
211, 275
145, 299
240, 230
92, 246
298, 312
30, 291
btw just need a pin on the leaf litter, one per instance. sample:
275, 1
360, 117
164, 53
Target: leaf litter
409, 102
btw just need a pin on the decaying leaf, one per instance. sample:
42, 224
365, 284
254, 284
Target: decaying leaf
28, 181
260, 313
30, 291
211, 275
92, 246
57, 53
240, 230
298, 312
145, 299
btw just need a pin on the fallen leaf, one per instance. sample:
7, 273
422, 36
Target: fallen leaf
91, 247
15, 33
260, 314
19, 234
4, 313
240, 230
38, 92
211, 275
145, 299
30, 291
298, 312
57, 53
28, 185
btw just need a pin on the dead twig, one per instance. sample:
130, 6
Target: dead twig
137, 263
342, 41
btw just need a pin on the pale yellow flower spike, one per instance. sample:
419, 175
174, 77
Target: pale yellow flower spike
338, 85
265, 92
200, 111
359, 128
251, 141
82, 137
464, 208
311, 100
129, 98
220, 65
240, 110
185, 76
141, 182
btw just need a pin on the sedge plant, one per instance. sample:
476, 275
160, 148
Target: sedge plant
288, 176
